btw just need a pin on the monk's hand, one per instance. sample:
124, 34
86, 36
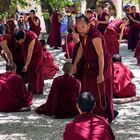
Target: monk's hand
100, 78
24, 69
73, 69
76, 37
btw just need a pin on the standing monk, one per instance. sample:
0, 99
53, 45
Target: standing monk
54, 39
91, 16
115, 29
122, 79
102, 20
34, 23
33, 59
134, 28
97, 73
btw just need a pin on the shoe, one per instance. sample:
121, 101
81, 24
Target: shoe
116, 113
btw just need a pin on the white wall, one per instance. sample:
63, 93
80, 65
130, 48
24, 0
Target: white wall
118, 5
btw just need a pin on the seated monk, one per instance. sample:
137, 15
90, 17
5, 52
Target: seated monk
50, 69
88, 126
61, 101
13, 94
122, 85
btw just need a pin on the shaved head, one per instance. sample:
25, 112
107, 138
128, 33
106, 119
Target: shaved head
67, 67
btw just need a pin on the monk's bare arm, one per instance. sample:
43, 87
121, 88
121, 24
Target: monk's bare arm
121, 34
92, 22
79, 55
30, 52
6, 50
99, 50
136, 21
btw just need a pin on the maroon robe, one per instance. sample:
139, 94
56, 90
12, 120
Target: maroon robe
122, 85
69, 39
80, 66
17, 52
35, 68
54, 38
103, 91
137, 52
88, 127
49, 67
61, 101
33, 27
93, 18
111, 36
70, 46
13, 93
101, 17
134, 31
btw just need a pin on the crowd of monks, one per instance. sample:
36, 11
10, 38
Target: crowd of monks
89, 84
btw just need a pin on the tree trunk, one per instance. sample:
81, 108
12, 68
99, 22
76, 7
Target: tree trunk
45, 6
4, 5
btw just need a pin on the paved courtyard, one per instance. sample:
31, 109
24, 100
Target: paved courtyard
30, 126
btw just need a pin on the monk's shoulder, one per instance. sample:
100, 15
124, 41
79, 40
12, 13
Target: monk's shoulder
94, 33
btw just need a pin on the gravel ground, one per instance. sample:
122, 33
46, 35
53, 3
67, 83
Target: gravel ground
30, 126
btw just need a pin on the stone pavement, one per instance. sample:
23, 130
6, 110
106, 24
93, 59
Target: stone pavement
30, 126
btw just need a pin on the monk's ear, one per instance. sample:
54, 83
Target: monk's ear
78, 108
94, 105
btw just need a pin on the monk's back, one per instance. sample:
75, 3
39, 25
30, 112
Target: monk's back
13, 95
88, 127
67, 91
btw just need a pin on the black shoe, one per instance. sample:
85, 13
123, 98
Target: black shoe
116, 113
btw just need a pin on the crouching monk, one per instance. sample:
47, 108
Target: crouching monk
61, 101
13, 94
88, 126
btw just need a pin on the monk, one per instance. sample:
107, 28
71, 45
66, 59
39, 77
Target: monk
34, 23
54, 39
70, 45
137, 53
102, 20
50, 69
122, 85
134, 28
87, 126
115, 29
13, 94
91, 16
33, 55
69, 39
61, 102
97, 71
